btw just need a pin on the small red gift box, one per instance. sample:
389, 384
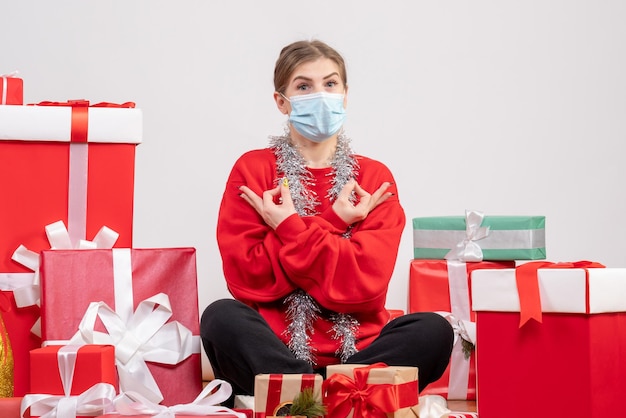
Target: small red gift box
566, 359
444, 286
147, 296
362, 391
11, 90
10, 408
92, 364
275, 392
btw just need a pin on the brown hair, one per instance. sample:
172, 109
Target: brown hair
300, 52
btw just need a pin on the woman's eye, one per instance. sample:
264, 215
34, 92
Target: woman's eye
302, 87
331, 84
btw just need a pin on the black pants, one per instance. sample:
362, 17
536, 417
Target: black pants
240, 344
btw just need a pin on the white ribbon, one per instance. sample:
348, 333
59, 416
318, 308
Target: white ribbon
28, 293
468, 249
5, 85
146, 336
435, 406
459, 365
13, 281
96, 400
432, 406
460, 319
206, 403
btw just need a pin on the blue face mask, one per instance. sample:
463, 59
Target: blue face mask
317, 116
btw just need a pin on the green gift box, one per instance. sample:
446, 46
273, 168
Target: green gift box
475, 237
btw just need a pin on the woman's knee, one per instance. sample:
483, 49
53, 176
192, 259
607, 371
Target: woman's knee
217, 317
432, 327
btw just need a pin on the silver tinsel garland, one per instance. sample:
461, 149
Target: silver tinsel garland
292, 165
345, 328
302, 310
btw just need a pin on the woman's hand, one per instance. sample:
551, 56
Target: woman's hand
351, 213
272, 213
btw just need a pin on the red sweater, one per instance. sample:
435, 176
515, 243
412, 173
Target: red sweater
263, 266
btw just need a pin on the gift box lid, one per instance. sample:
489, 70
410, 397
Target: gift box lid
566, 290
54, 123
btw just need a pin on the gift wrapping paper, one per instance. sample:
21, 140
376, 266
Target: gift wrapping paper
570, 361
390, 391
11, 90
274, 392
129, 288
60, 163
444, 286
93, 364
494, 238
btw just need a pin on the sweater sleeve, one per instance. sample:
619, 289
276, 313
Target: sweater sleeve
249, 248
346, 270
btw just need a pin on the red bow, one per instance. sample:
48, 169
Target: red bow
368, 401
528, 285
85, 103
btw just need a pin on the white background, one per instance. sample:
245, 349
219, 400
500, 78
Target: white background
508, 107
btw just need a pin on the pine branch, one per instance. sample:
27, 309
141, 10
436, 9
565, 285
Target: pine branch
306, 404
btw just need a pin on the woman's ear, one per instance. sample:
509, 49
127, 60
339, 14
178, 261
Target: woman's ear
282, 103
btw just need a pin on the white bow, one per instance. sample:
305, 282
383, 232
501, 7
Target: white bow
146, 336
468, 249
206, 403
28, 293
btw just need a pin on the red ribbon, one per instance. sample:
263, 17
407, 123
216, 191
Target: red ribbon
343, 394
274, 389
528, 285
80, 115
85, 103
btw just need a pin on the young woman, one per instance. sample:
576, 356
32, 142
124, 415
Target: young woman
309, 233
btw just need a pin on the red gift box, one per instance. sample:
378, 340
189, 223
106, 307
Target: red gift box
74, 164
93, 364
11, 90
444, 286
131, 282
275, 391
568, 361
48, 173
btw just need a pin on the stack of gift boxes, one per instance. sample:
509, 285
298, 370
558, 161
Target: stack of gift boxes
88, 324
532, 337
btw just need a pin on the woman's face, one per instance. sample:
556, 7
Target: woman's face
321, 75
